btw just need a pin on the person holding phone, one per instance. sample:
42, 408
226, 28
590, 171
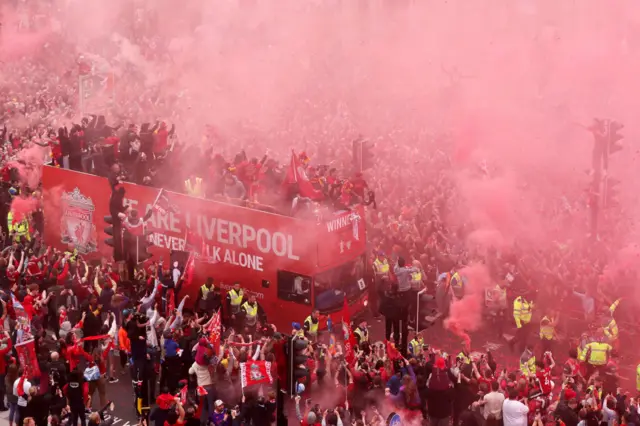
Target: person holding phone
175, 417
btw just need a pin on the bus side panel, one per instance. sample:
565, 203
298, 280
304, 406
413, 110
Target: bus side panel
263, 285
76, 203
247, 245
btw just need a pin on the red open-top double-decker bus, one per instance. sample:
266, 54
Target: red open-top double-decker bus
291, 265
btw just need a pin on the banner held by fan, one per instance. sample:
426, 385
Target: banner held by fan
27, 358
255, 373
213, 329
23, 322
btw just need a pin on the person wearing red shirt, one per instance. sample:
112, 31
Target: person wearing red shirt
522, 387
4, 350
543, 374
487, 378
359, 185
346, 194
175, 417
28, 302
75, 350
248, 173
162, 138
56, 151
61, 276
13, 271
309, 418
572, 366
111, 154
34, 272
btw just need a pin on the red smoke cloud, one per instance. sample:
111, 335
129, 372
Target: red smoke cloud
513, 89
53, 206
20, 207
465, 314
29, 166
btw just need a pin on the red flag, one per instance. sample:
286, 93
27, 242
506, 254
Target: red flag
297, 175
214, 331
255, 373
194, 242
22, 318
349, 338
108, 83
189, 270
163, 205
27, 358
171, 303
392, 352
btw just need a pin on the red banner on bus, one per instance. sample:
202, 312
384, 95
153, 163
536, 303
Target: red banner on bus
76, 204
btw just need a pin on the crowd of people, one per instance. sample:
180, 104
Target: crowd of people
90, 326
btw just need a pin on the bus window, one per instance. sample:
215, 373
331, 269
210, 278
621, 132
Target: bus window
331, 286
294, 287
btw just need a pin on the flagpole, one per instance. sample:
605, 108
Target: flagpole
157, 197
346, 386
81, 95
295, 166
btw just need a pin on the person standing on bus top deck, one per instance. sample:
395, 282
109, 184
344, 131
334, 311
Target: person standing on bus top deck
406, 293
253, 313
134, 236
132, 222
362, 333
311, 325
206, 296
381, 280
381, 267
234, 300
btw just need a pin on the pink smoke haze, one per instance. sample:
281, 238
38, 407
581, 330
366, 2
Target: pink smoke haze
29, 165
53, 205
21, 207
15, 41
500, 91
465, 315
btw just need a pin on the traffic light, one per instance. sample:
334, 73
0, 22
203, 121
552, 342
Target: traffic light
610, 192
297, 362
614, 137
363, 155
136, 246
109, 231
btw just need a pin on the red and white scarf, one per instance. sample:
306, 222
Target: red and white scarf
20, 388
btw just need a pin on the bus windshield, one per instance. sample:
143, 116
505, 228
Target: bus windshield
330, 287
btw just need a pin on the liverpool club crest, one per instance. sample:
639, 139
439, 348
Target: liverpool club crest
76, 224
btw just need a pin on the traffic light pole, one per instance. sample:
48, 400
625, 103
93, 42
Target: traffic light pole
606, 141
281, 417
292, 367
595, 195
